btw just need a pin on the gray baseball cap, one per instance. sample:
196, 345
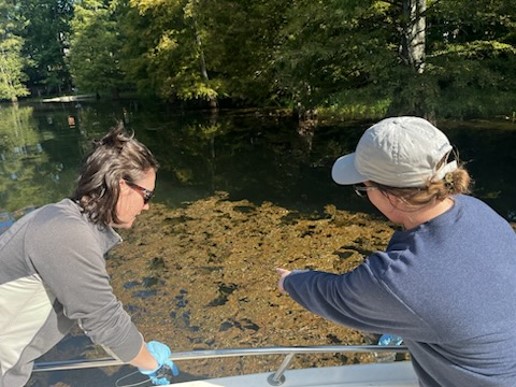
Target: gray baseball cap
397, 152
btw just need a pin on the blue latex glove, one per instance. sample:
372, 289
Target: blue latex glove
388, 339
161, 353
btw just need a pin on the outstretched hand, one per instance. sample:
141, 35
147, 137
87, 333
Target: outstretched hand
161, 352
282, 273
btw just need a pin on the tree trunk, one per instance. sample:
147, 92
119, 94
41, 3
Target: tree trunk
204, 72
413, 34
412, 95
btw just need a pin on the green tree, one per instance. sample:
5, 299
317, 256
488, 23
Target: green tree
163, 54
468, 64
240, 38
414, 55
202, 50
95, 47
46, 40
421, 57
11, 60
472, 56
331, 50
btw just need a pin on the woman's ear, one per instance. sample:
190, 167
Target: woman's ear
396, 201
123, 185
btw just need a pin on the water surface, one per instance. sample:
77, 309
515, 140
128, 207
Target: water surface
269, 166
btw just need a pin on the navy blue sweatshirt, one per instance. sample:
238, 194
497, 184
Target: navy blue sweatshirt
448, 287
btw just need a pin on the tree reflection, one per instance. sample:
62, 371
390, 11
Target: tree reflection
25, 170
250, 155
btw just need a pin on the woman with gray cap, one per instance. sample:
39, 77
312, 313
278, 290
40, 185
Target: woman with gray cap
447, 280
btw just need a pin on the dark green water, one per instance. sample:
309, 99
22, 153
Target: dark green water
250, 155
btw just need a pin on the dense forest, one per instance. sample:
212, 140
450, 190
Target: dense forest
427, 57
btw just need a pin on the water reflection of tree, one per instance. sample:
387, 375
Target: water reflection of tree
187, 150
488, 151
241, 154
22, 160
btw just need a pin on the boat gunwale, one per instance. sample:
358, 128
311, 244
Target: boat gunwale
200, 354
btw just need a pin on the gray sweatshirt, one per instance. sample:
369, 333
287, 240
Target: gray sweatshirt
52, 274
448, 287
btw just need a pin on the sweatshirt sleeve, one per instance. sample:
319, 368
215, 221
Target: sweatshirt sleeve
70, 260
356, 299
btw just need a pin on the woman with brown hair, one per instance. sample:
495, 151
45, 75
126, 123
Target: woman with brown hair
52, 268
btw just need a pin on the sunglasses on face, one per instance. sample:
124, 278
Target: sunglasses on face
146, 194
361, 189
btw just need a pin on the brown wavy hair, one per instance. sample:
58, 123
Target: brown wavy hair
117, 156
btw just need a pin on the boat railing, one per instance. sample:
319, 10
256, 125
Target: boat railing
275, 379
